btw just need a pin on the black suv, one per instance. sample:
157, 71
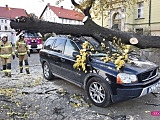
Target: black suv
101, 81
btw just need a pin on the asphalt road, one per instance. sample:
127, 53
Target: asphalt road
31, 97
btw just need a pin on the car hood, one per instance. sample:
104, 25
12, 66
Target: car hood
134, 66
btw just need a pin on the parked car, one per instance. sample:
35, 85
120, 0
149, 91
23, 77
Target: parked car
101, 81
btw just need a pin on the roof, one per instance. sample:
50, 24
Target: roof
66, 13
7, 12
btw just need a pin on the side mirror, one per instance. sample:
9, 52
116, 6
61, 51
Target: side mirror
74, 54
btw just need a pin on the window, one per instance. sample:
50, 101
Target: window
1, 21
66, 20
59, 45
116, 21
54, 19
124, 9
139, 31
5, 21
49, 44
117, 16
70, 48
62, 20
31, 35
5, 27
140, 10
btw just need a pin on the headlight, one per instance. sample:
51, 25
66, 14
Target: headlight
126, 78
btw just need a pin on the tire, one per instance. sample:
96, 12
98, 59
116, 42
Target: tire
47, 72
38, 50
31, 51
98, 92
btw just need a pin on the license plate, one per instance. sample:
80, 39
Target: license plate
33, 46
154, 87
33, 40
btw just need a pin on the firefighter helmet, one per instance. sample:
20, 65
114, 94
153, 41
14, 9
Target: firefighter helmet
21, 35
3, 35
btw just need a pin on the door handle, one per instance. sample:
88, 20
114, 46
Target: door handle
49, 55
62, 59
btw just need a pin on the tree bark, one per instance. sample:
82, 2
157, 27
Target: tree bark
90, 28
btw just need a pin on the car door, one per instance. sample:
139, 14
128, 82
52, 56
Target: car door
45, 54
56, 54
67, 62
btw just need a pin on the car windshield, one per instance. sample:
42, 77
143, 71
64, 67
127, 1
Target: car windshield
31, 34
91, 40
98, 52
97, 46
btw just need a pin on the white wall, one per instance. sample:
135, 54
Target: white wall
6, 29
49, 15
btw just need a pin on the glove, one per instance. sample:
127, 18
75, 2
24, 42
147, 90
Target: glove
28, 54
17, 55
13, 56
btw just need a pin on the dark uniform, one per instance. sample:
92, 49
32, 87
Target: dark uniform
6, 54
22, 52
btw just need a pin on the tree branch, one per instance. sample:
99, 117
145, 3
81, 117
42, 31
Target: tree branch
90, 28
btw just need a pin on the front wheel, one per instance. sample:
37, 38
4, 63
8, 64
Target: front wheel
98, 92
47, 72
38, 50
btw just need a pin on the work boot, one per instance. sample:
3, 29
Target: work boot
9, 75
21, 70
6, 74
27, 71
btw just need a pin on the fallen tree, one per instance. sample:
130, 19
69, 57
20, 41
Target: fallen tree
90, 28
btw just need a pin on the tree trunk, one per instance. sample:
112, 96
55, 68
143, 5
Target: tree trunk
90, 28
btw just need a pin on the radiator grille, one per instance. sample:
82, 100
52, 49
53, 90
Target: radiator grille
148, 75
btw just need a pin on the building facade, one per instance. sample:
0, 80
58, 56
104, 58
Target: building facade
5, 26
6, 14
142, 18
61, 15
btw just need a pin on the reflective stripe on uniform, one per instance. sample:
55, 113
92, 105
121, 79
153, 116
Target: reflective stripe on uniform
22, 53
27, 67
8, 46
22, 43
4, 71
5, 55
7, 71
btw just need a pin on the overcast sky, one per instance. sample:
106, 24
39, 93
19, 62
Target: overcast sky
33, 6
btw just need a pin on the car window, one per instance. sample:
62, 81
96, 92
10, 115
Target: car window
70, 47
31, 34
59, 45
91, 40
48, 44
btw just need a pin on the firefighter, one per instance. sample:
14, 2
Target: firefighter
5, 54
22, 52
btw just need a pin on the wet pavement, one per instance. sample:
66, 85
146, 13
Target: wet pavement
31, 97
